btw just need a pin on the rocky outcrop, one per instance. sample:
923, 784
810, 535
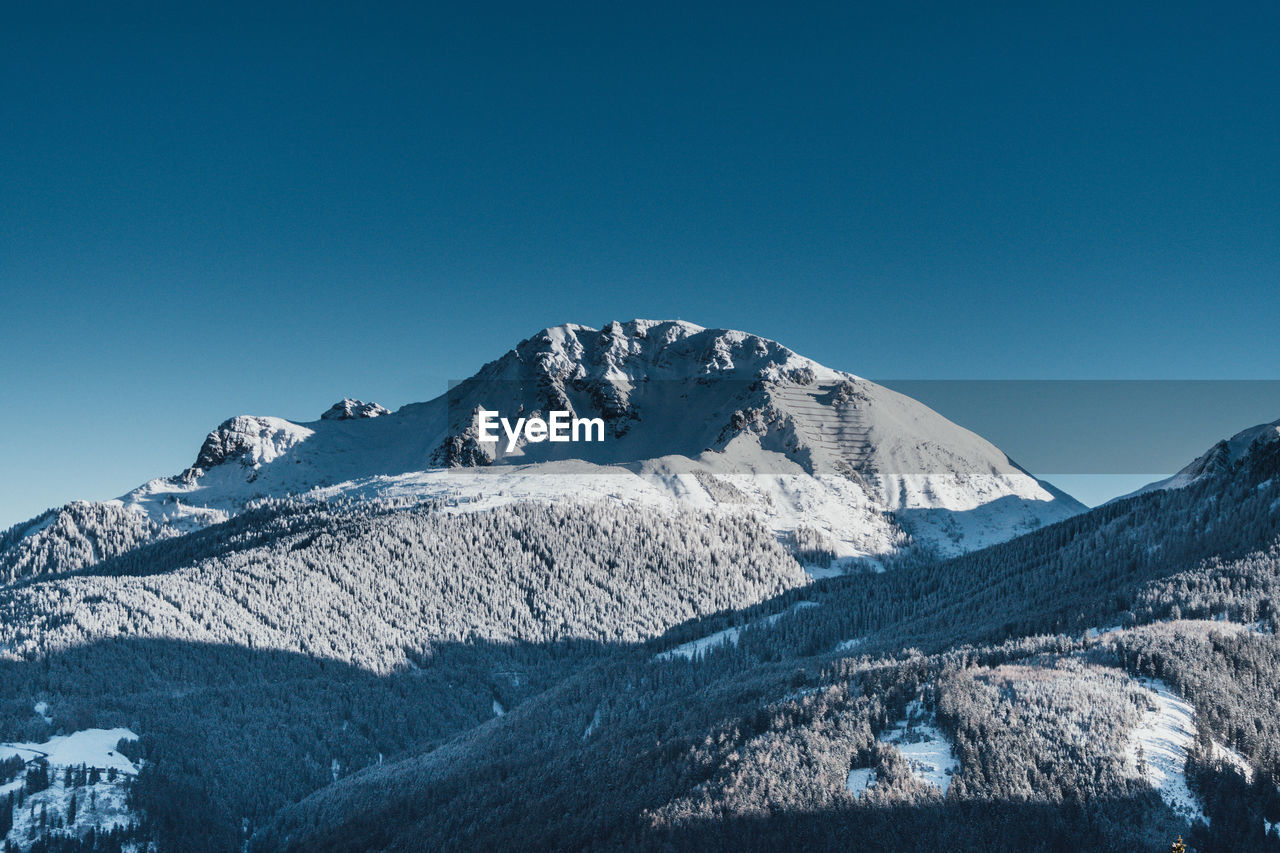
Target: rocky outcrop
350, 410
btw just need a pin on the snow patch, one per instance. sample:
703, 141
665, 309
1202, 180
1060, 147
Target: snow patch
1228, 756
816, 572
695, 649
859, 780
592, 726
101, 805
1157, 750
91, 747
924, 746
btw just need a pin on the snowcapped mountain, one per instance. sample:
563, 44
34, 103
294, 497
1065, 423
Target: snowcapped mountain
841, 467
1219, 458
406, 637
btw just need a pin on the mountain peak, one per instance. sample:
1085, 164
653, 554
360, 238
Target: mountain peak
348, 409
1220, 458
635, 328
251, 440
646, 350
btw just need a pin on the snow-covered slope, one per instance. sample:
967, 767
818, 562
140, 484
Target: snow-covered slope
1218, 458
693, 416
87, 787
1157, 750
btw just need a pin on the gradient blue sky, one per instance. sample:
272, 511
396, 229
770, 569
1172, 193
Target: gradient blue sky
246, 208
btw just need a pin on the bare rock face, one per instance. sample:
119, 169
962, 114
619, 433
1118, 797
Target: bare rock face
250, 440
350, 410
464, 449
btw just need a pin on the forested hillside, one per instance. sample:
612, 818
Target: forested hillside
406, 675
265, 657
1006, 700
70, 538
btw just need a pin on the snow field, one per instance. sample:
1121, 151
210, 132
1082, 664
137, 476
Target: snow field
695, 649
102, 806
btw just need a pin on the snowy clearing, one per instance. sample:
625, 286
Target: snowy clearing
850, 645
96, 801
859, 780
695, 649
925, 747
1158, 747
91, 747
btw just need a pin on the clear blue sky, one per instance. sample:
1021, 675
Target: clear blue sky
235, 208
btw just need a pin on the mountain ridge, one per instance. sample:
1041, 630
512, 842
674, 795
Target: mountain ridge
711, 418
1219, 458
995, 658
643, 668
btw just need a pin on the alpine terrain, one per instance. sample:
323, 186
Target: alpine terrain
773, 606
694, 419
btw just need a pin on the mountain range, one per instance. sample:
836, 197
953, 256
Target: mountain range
777, 606
695, 418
